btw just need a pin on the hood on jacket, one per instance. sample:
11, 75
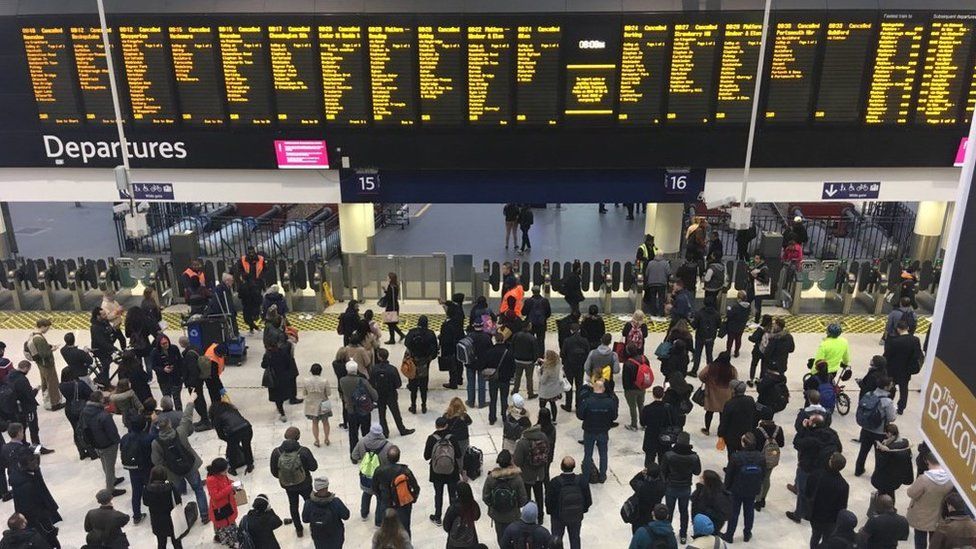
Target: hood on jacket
661, 528
168, 434
938, 476
289, 445
372, 441
817, 408
682, 449
505, 472
322, 500
882, 393
603, 349
846, 521
533, 433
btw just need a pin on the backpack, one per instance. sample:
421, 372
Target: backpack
401, 493
368, 466
658, 542
132, 452
381, 379
628, 511
771, 451
473, 460
244, 539
443, 460
27, 351
408, 368
504, 498
827, 397
539, 452
291, 470
645, 377
465, 351
635, 336
176, 457
462, 533
9, 407
362, 402
512, 430
571, 504
869, 414
781, 397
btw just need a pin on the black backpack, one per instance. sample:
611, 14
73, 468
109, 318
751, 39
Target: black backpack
781, 397
176, 457
9, 407
381, 380
504, 497
132, 452
571, 503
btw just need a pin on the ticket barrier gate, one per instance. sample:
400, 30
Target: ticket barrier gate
847, 285
872, 282
804, 279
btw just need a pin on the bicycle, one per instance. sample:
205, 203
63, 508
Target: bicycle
842, 401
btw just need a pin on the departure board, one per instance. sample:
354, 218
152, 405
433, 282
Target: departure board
692, 66
944, 71
195, 72
246, 77
49, 65
791, 71
343, 79
737, 72
147, 71
971, 102
537, 74
293, 67
489, 75
439, 59
642, 58
895, 69
842, 74
391, 73
92, 70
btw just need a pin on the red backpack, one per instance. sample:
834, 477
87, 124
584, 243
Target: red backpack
645, 377
636, 336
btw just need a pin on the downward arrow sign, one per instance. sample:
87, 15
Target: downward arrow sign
831, 191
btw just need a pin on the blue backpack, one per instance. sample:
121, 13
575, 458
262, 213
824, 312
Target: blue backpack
869, 414
828, 399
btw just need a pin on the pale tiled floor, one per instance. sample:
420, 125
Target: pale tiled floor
74, 484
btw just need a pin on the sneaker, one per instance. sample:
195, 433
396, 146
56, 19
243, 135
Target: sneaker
119, 480
46, 451
283, 419
408, 432
435, 519
117, 492
136, 519
794, 517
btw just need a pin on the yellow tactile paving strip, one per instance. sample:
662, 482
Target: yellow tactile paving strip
856, 324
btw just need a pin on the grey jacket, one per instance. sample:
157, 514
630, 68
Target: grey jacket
657, 272
550, 382
183, 431
887, 410
372, 443
600, 357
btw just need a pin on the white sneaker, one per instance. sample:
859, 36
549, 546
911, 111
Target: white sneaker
753, 325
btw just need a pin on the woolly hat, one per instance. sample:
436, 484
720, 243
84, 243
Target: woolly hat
702, 525
351, 367
530, 513
376, 429
518, 401
320, 483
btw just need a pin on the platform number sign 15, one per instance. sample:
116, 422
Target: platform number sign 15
368, 183
676, 181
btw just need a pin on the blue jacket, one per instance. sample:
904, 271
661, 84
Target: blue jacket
597, 411
104, 432
681, 307
654, 530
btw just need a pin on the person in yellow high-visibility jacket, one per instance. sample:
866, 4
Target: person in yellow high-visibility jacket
834, 350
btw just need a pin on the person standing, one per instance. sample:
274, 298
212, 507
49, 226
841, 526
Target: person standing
158, 498
498, 367
358, 398
168, 365
104, 524
250, 286
385, 379
714, 277
325, 513
957, 527
26, 397
525, 220
903, 353
927, 493
511, 214
371, 453
99, 430
504, 493
531, 455
574, 352
678, 466
657, 273
903, 313
885, 529
461, 520
657, 533
355, 351
32, 498
568, 500
525, 353
717, 379
656, 418
759, 287
892, 463
834, 350
172, 451
550, 382
705, 323
526, 532
396, 488
602, 363
75, 393
829, 492
572, 289
223, 504
537, 311
744, 480
769, 441
349, 322
443, 453
598, 411
42, 353
391, 308
738, 417
874, 411
814, 443
292, 464
682, 305
779, 346
136, 450
421, 343
318, 407
742, 239
280, 375
261, 522
736, 319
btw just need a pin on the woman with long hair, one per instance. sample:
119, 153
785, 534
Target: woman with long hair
158, 498
391, 314
461, 518
236, 431
717, 378
223, 505
711, 499
548, 428
391, 534
150, 305
550, 381
458, 421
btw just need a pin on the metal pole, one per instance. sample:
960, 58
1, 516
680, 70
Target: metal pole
110, 65
755, 102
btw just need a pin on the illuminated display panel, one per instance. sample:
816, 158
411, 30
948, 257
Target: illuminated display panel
737, 72
96, 93
944, 70
195, 74
791, 70
49, 65
343, 79
439, 59
293, 67
391, 71
642, 78
247, 78
537, 74
895, 69
842, 75
147, 73
489, 75
692, 66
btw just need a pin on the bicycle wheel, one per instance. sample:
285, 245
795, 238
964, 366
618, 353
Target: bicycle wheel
843, 404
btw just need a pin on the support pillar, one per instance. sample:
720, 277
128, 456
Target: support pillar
928, 229
946, 228
355, 227
667, 227
649, 219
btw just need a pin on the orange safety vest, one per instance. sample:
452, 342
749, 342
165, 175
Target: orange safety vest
212, 355
258, 266
519, 293
190, 273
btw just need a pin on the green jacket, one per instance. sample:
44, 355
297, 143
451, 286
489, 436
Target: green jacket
40, 350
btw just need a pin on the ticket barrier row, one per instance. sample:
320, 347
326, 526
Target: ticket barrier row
56, 284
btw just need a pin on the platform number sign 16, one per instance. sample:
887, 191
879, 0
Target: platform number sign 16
676, 181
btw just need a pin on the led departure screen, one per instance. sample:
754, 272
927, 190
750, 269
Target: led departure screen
391, 71
92, 71
692, 67
195, 72
537, 74
895, 69
489, 75
971, 102
49, 64
737, 72
642, 56
293, 68
343, 79
791, 71
439, 58
844, 61
147, 72
943, 73
247, 80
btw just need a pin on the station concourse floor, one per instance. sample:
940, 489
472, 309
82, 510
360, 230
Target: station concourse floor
74, 483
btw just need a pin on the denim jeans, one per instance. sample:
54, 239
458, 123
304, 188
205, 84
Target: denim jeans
600, 440
472, 376
138, 478
497, 399
193, 478
748, 507
680, 495
801, 488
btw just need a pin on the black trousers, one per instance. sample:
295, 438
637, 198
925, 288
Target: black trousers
525, 237
867, 444
575, 378
901, 387
821, 531
304, 490
421, 385
29, 420
539, 331
456, 371
537, 493
393, 405
239, 444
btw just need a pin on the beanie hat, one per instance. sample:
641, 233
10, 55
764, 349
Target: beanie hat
320, 483
702, 525
351, 367
260, 502
530, 513
518, 401
376, 429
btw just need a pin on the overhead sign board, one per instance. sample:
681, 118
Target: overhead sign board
851, 190
150, 191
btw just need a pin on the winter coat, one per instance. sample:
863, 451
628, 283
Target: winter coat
650, 533
158, 497
522, 456
28, 538
372, 442
593, 328
358, 354
738, 418
555, 488
432, 440
101, 426
104, 526
511, 476
550, 382
777, 354
525, 347
126, 402
657, 272
893, 466
956, 531
26, 397
600, 358
315, 389
814, 446
655, 418
499, 356
716, 506
537, 310
574, 352
348, 385
171, 357
325, 515
740, 484
183, 431
829, 492
458, 426
229, 422
261, 525
274, 299
927, 493
680, 465
650, 491
888, 413
597, 411
883, 531
520, 534
221, 492
571, 289
452, 514
737, 316
716, 395
32, 498
903, 353
308, 463
423, 347
280, 362
706, 323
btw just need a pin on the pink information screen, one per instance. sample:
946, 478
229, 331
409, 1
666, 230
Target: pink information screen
301, 155
961, 153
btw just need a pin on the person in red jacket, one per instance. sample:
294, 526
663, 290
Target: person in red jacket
223, 505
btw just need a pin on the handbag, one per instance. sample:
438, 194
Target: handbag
325, 408
268, 379
383, 302
223, 513
240, 496
182, 518
698, 397
390, 317
567, 386
663, 350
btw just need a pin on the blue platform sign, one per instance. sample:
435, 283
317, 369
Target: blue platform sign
150, 191
851, 190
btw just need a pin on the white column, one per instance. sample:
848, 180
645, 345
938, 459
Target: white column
947, 228
928, 229
649, 219
355, 227
667, 227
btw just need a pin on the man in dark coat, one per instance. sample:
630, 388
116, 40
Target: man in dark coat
885, 529
569, 498
386, 380
452, 330
738, 417
26, 401
78, 360
655, 418
99, 429
349, 321
830, 492
573, 353
18, 535
280, 382
743, 478
104, 524
903, 352
421, 342
777, 353
308, 465
537, 311
32, 498
814, 443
